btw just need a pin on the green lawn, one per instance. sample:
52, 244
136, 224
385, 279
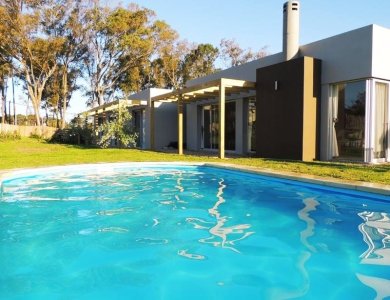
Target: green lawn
29, 152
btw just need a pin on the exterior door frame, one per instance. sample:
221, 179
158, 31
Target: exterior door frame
203, 129
371, 120
212, 106
332, 117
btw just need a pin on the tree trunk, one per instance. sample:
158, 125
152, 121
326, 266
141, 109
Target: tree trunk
64, 96
2, 107
13, 98
100, 98
9, 112
36, 101
4, 110
57, 119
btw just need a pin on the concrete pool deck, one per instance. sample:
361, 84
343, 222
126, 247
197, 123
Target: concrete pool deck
376, 188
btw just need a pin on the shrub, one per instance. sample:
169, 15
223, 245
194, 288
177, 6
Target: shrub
73, 135
15, 135
118, 130
36, 135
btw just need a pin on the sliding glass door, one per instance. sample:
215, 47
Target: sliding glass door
361, 114
210, 126
349, 114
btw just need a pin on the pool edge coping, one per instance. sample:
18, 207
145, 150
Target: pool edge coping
370, 187
360, 186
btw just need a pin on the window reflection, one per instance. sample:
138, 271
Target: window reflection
210, 126
349, 108
252, 124
376, 234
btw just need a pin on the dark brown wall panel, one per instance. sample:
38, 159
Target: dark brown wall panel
280, 114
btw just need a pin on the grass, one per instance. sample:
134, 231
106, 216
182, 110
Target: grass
27, 153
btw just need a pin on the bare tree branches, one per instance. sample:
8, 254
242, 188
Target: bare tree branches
234, 55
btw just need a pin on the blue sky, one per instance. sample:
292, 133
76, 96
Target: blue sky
256, 23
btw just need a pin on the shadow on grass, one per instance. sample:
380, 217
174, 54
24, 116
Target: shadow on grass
79, 147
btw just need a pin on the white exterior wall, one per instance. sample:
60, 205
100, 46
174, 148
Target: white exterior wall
165, 124
164, 132
381, 53
345, 56
193, 122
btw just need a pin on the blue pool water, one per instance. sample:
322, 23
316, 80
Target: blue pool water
188, 232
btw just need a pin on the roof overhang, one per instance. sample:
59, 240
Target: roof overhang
208, 90
114, 105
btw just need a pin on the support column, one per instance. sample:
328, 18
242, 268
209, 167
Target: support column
221, 108
180, 125
152, 116
95, 120
104, 116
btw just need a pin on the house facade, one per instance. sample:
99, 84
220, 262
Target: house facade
327, 100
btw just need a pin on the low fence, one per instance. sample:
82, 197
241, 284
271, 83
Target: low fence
26, 131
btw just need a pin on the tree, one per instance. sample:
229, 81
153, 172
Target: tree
164, 66
68, 24
166, 69
119, 40
34, 53
53, 94
199, 62
234, 55
5, 73
118, 128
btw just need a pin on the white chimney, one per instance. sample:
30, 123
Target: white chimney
290, 29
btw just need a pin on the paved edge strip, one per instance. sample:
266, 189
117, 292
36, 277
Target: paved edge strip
375, 188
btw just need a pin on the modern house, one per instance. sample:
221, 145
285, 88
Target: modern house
322, 101
325, 100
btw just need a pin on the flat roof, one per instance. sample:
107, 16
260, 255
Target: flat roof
207, 90
113, 105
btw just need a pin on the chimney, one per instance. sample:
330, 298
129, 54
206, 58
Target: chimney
290, 29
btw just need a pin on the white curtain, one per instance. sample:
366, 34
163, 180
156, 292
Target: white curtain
335, 103
380, 120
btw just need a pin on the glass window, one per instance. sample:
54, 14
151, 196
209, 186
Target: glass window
137, 126
230, 126
210, 128
252, 124
349, 109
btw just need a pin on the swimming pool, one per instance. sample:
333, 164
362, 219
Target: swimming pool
151, 231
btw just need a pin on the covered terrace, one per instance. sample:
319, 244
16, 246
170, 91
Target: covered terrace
219, 89
104, 110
